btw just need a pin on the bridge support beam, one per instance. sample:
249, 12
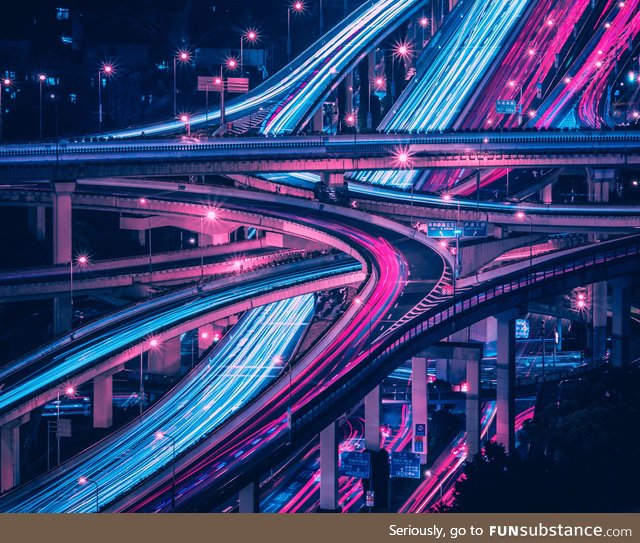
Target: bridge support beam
372, 407
37, 222
329, 468
10, 453
249, 498
546, 194
165, 359
318, 119
506, 377
473, 408
103, 401
485, 332
62, 249
419, 401
333, 179
621, 323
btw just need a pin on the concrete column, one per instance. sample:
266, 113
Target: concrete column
621, 324
329, 468
10, 454
506, 376
318, 119
62, 191
249, 501
62, 314
599, 319
103, 401
473, 408
419, 401
333, 179
485, 332
546, 194
165, 359
372, 406
37, 222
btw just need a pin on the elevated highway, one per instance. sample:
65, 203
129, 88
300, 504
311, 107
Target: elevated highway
320, 154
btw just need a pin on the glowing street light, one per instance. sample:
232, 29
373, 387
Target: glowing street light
84, 481
7, 83
295, 7
209, 216
41, 79
521, 215
82, 261
153, 344
182, 56
108, 71
250, 36
186, 120
159, 435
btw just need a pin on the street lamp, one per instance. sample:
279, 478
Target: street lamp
231, 63
153, 344
513, 85
159, 436
41, 79
522, 215
107, 70
296, 7
401, 50
378, 82
182, 56
81, 261
360, 301
6, 82
424, 23
70, 392
210, 215
85, 480
184, 119
250, 36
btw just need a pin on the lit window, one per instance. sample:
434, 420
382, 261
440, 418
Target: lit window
73, 98
62, 14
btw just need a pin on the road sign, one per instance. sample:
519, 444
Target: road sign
238, 84
208, 84
355, 464
507, 107
419, 438
64, 428
370, 498
405, 465
441, 229
474, 229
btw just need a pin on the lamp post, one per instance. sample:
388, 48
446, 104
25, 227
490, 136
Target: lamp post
153, 343
185, 119
209, 216
361, 302
522, 215
84, 481
182, 56
231, 64
82, 261
162, 435
424, 23
107, 70
69, 391
296, 7
402, 50
41, 79
250, 36
6, 82
513, 85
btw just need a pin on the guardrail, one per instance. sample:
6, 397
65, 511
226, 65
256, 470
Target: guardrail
450, 315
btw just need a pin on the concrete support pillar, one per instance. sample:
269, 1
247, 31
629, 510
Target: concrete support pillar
10, 454
419, 404
486, 332
62, 250
506, 376
37, 222
103, 401
140, 236
165, 359
372, 406
621, 324
546, 194
329, 468
249, 501
473, 408
333, 179
318, 119
62, 191
599, 319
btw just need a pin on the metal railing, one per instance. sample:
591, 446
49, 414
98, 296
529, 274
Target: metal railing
442, 319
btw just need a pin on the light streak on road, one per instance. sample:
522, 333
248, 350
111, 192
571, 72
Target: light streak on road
251, 356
